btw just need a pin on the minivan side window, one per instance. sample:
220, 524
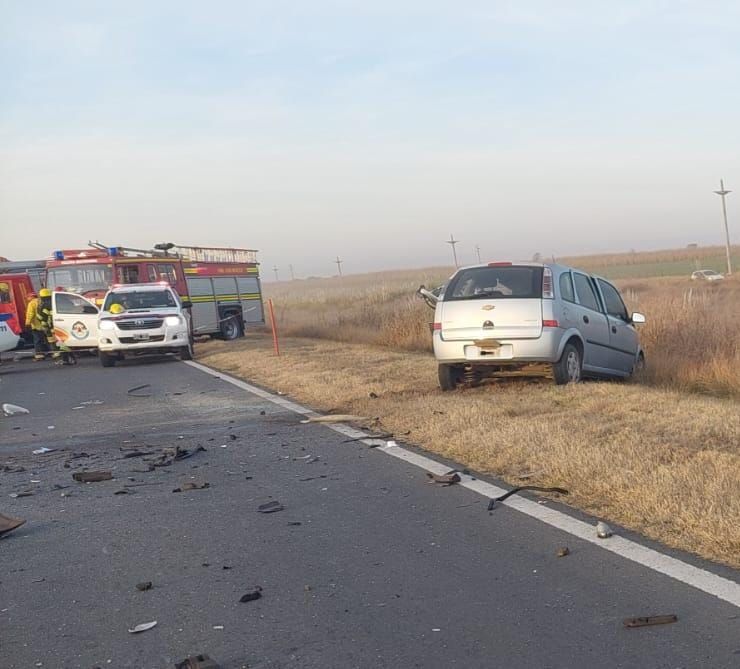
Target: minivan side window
614, 304
586, 295
566, 287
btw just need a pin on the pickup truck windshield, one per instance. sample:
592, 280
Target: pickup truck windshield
507, 282
133, 300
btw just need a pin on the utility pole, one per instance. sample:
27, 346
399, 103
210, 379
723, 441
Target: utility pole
477, 251
452, 243
338, 262
722, 193
292, 275
275, 269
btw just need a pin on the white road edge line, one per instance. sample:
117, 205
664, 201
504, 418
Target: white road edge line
696, 577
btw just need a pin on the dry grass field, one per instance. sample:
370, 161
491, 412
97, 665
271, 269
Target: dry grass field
661, 457
692, 337
664, 463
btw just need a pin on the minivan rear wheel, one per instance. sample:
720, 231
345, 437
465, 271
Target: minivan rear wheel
568, 368
449, 376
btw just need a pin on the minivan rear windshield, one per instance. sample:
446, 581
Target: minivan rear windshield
507, 282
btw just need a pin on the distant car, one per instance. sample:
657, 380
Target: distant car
506, 317
706, 275
143, 318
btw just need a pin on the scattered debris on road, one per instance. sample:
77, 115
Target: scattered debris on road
270, 507
42, 450
192, 485
14, 410
335, 418
646, 621
133, 392
22, 493
563, 551
513, 491
603, 531
143, 627
373, 396
199, 661
252, 595
444, 480
9, 523
92, 476
144, 585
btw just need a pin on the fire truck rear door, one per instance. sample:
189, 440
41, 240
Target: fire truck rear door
75, 320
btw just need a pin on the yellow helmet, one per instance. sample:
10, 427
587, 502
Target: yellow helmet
45, 292
116, 308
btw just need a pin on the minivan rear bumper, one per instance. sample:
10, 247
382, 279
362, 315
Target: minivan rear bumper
545, 348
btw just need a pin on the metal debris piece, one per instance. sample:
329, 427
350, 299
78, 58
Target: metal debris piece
133, 391
563, 551
645, 621
199, 661
335, 418
270, 507
123, 491
42, 450
92, 477
252, 595
143, 627
22, 493
444, 480
14, 410
9, 523
603, 531
144, 585
513, 491
192, 485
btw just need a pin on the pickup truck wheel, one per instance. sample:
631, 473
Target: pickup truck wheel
230, 328
186, 352
568, 368
449, 376
107, 360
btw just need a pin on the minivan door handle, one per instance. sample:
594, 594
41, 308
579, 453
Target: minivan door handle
585, 319
614, 329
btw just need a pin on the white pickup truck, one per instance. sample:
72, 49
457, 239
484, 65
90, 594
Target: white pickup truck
143, 318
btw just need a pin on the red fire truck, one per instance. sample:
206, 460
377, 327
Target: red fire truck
223, 284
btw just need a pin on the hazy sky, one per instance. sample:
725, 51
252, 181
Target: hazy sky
371, 130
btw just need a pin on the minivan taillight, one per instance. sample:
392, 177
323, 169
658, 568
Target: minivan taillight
549, 324
436, 326
547, 289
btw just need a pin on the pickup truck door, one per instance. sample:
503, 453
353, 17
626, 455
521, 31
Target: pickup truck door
75, 320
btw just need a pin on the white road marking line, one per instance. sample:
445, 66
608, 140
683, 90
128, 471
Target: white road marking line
703, 580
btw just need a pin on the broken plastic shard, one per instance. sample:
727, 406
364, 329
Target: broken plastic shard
14, 410
200, 661
444, 479
252, 595
270, 507
143, 627
192, 485
92, 477
9, 523
563, 551
42, 450
603, 531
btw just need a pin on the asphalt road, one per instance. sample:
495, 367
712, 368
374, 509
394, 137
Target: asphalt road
366, 566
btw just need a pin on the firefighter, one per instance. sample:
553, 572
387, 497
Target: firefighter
35, 321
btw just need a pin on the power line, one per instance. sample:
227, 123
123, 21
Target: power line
723, 193
452, 241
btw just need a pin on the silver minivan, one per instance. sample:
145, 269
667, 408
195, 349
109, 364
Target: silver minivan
503, 318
